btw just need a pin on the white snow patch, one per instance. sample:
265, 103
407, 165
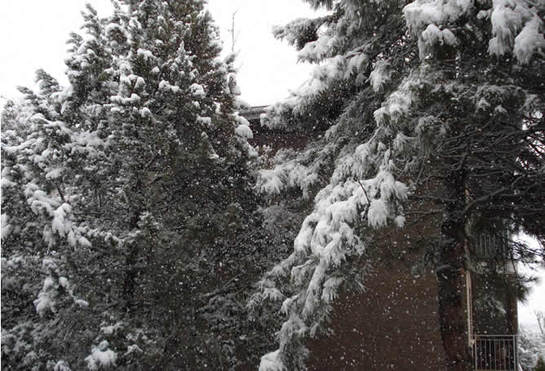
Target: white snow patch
204, 120
54, 173
529, 41
506, 21
420, 13
101, 357
111, 329
6, 227
62, 366
244, 131
45, 302
197, 90
61, 223
271, 362
377, 215
133, 349
145, 113
63, 281
379, 76
269, 182
165, 86
144, 53
399, 221
81, 303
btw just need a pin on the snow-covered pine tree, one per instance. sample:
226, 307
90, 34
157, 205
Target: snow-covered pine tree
41, 233
187, 173
129, 222
404, 96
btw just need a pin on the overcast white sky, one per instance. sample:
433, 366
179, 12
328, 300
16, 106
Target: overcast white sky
536, 299
33, 35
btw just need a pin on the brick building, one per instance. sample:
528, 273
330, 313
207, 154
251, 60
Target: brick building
393, 324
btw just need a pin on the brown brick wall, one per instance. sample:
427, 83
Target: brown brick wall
391, 326
394, 324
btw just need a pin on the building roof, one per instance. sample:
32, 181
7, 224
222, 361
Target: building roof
253, 113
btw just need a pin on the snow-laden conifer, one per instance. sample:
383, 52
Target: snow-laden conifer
403, 94
127, 201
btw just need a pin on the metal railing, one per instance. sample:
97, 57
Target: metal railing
495, 352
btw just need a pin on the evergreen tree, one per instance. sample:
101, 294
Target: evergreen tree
436, 101
130, 229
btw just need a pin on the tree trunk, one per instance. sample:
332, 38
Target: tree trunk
451, 277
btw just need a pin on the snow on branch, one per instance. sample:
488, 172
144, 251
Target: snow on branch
362, 188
